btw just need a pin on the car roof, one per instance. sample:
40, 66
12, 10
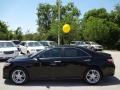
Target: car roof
77, 41
46, 41
29, 41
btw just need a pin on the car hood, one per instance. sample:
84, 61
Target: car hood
40, 47
8, 49
19, 58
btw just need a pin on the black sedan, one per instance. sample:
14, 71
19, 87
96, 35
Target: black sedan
61, 62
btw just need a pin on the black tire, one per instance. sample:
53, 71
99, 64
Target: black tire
92, 79
12, 76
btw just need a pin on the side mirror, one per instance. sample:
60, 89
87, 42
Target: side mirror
35, 59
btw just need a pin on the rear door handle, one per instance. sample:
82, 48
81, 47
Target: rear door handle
53, 64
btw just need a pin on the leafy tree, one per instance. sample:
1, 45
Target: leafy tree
5, 34
98, 25
44, 13
70, 15
18, 34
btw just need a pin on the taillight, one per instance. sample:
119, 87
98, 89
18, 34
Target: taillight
110, 61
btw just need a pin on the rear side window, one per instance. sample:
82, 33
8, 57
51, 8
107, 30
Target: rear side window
73, 52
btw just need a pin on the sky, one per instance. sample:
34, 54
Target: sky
22, 13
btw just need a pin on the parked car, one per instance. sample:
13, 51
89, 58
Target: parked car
48, 44
95, 46
80, 43
61, 62
7, 50
17, 43
29, 47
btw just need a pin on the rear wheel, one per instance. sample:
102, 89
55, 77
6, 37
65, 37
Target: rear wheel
92, 76
19, 76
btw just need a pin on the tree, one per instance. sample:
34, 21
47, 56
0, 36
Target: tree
18, 34
115, 15
70, 15
5, 34
44, 14
98, 26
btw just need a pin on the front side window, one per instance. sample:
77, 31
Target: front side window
73, 52
56, 52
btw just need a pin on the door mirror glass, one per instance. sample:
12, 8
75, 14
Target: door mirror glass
35, 59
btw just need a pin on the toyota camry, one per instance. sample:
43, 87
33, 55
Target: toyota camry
60, 62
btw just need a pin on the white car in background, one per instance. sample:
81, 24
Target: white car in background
8, 50
30, 47
80, 43
48, 44
95, 46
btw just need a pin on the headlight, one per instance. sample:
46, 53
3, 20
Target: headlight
7, 64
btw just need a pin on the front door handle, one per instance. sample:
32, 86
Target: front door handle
87, 60
57, 61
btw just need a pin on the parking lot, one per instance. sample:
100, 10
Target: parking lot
110, 83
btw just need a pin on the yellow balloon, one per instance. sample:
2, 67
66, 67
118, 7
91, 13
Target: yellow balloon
66, 28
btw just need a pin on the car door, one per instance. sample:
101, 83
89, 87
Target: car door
47, 62
73, 63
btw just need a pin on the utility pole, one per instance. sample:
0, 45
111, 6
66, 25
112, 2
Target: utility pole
58, 5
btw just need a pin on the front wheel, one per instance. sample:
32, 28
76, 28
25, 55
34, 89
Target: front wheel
92, 76
19, 76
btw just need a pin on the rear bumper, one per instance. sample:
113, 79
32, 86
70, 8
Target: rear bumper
109, 70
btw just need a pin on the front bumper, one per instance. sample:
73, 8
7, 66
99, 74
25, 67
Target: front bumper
6, 72
8, 56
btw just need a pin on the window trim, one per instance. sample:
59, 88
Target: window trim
51, 57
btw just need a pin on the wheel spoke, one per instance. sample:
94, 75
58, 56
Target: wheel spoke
18, 76
92, 76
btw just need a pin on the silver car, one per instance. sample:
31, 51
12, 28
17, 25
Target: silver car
79, 43
95, 46
48, 44
7, 50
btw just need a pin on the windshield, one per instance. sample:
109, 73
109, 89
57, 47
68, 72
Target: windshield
6, 44
80, 43
94, 43
44, 43
72, 42
33, 44
16, 42
53, 43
